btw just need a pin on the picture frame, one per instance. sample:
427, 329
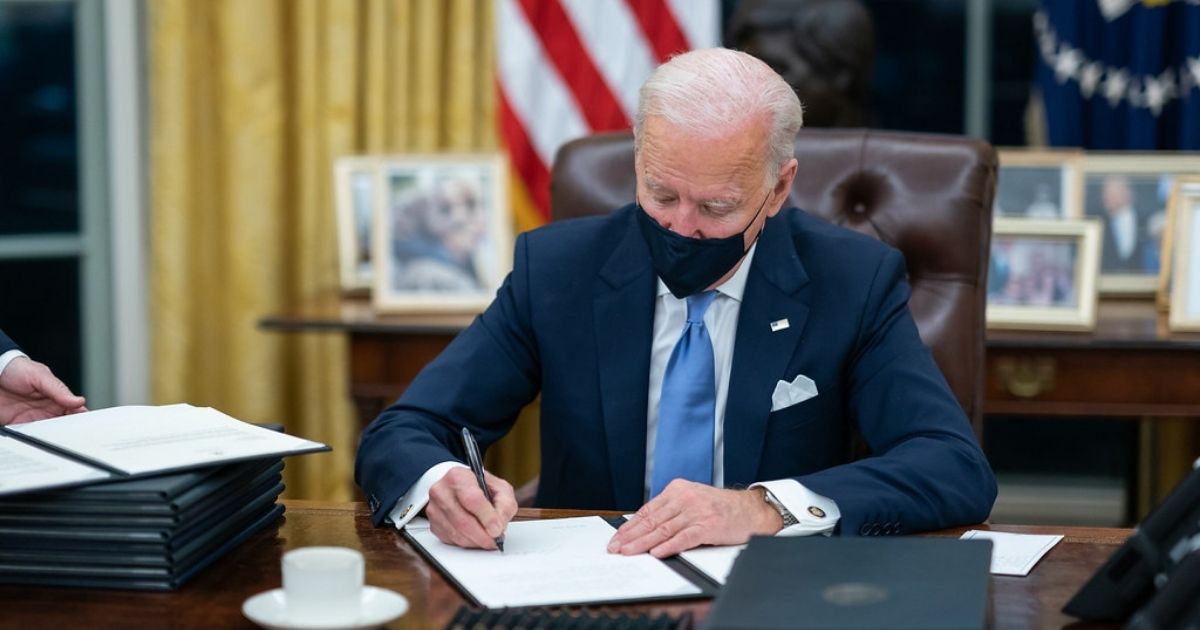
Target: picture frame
1184, 272
1039, 184
1166, 266
1129, 192
442, 232
1043, 274
354, 192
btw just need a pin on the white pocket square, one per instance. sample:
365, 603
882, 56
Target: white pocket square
787, 394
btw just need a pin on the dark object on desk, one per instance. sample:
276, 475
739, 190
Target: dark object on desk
1177, 605
1157, 547
830, 583
151, 533
534, 618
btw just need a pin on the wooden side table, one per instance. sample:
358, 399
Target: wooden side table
1130, 366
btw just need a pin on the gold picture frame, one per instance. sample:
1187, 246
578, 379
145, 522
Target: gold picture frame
1039, 184
1130, 192
1185, 270
442, 232
1043, 274
354, 190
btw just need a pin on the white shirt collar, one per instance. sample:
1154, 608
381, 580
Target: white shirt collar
735, 286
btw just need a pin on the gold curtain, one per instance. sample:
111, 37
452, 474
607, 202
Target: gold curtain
251, 102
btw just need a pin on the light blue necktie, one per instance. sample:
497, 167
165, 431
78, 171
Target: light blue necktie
683, 446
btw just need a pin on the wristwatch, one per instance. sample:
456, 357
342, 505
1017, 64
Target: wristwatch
789, 519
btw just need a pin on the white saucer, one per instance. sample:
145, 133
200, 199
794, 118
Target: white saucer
377, 607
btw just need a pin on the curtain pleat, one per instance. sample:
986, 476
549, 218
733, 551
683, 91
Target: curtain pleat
251, 102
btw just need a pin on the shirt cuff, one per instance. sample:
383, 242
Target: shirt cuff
817, 514
417, 496
7, 358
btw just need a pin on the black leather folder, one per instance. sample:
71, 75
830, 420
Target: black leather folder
141, 578
167, 537
836, 583
89, 507
165, 554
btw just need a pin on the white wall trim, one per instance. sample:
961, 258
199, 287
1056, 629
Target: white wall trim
127, 166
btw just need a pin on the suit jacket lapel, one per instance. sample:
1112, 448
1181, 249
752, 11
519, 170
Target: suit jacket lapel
624, 315
761, 356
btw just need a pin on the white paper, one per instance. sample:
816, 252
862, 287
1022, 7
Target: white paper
138, 439
24, 467
1015, 554
714, 562
553, 562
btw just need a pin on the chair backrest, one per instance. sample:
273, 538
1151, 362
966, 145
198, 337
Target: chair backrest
929, 196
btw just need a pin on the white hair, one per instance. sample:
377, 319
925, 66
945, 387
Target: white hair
713, 89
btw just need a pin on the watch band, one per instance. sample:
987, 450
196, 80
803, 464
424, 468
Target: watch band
789, 519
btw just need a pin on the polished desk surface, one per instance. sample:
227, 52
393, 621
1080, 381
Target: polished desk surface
213, 599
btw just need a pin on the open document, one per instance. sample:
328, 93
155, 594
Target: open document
714, 562
552, 562
131, 441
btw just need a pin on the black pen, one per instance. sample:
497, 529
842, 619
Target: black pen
476, 462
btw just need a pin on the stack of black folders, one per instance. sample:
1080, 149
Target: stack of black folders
151, 533
135, 498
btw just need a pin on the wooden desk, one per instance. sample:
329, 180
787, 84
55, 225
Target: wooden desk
1129, 367
214, 598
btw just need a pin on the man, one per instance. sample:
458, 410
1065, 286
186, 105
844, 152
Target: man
28, 390
688, 346
1122, 231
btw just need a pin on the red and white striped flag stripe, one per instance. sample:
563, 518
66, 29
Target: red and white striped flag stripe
569, 68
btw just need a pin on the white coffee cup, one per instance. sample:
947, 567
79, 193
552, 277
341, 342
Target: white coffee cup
322, 584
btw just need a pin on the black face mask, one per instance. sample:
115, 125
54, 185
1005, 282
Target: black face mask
689, 265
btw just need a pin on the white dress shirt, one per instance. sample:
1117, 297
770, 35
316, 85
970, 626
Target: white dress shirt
8, 357
1124, 228
670, 315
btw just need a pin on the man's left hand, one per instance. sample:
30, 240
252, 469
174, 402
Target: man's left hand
688, 514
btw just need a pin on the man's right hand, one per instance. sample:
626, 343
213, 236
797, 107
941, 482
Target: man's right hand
459, 514
29, 391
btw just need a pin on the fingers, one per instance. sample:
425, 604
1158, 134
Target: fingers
34, 381
460, 514
683, 516
688, 536
504, 498
48, 385
652, 532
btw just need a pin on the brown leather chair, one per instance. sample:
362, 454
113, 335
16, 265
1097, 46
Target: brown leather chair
929, 196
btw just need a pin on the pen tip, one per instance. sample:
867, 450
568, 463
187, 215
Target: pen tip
500, 545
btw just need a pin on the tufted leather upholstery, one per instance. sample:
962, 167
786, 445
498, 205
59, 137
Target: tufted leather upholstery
929, 196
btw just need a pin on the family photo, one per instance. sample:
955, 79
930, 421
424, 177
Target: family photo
443, 233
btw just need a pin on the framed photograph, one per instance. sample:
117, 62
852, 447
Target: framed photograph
1185, 279
354, 187
443, 233
1039, 184
1129, 194
1042, 274
1184, 185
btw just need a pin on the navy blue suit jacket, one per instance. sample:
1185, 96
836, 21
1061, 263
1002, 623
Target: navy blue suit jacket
573, 322
6, 344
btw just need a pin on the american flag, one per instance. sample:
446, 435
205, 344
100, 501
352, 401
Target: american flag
570, 68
